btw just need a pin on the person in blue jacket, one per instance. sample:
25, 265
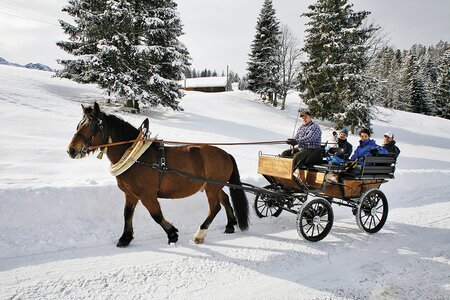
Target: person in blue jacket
367, 146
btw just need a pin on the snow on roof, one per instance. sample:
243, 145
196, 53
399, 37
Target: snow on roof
204, 82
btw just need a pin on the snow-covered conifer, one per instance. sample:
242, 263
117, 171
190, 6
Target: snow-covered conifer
331, 79
129, 48
263, 66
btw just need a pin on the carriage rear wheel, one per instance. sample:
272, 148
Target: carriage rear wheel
265, 205
315, 219
372, 211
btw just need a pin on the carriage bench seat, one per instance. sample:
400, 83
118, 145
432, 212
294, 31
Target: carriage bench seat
374, 167
328, 168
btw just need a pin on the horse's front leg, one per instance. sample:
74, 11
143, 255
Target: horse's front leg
128, 213
152, 205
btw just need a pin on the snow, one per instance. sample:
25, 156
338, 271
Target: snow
60, 218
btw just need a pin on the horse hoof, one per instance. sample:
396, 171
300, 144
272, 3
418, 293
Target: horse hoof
173, 240
124, 241
173, 236
199, 240
229, 229
122, 244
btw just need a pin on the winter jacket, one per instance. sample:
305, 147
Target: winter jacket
364, 149
309, 136
392, 148
348, 148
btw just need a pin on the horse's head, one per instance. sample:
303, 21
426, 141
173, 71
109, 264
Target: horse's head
90, 132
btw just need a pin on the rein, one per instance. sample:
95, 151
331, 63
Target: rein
186, 143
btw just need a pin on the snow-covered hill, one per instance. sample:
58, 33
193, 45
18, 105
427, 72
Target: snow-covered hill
60, 218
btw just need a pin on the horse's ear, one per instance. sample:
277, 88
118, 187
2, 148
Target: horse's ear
83, 108
96, 109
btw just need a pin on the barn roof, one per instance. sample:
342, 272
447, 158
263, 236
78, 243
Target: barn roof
205, 82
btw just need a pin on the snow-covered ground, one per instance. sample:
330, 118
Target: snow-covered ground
60, 218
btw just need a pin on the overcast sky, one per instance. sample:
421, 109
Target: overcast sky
218, 32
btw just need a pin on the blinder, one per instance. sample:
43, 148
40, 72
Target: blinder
95, 125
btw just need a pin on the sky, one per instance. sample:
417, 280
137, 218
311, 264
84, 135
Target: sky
217, 33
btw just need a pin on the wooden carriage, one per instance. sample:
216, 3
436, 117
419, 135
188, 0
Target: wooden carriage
309, 192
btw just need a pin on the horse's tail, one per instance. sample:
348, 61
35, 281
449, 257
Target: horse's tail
238, 197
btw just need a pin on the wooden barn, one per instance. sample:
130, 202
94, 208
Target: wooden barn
205, 84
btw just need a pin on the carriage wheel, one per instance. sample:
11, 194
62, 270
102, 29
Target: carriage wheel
315, 219
265, 206
372, 211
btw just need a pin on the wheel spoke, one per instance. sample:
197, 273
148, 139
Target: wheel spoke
265, 210
379, 220
367, 218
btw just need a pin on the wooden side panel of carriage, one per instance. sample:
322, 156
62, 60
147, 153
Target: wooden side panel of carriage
281, 169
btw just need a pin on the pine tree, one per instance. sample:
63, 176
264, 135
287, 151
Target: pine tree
331, 81
415, 89
128, 47
263, 67
442, 95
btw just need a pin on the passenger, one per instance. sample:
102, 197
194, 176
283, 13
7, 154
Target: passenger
308, 138
342, 152
367, 147
389, 144
344, 144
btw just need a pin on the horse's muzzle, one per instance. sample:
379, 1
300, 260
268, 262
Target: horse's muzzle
73, 153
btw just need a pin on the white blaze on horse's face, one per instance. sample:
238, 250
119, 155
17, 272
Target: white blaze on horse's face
87, 130
77, 144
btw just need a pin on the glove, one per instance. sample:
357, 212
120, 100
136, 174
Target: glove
374, 151
292, 142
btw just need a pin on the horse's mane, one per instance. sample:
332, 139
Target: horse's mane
122, 129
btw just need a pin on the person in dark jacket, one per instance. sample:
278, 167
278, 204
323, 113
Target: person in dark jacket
342, 152
367, 147
344, 144
389, 144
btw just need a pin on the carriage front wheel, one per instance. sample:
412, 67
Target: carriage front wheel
315, 219
372, 211
265, 205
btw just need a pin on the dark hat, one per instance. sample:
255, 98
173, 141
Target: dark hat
364, 130
345, 130
304, 113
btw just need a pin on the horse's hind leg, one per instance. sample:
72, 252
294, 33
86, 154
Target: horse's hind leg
225, 201
214, 207
128, 213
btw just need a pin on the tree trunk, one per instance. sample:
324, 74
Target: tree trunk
136, 106
129, 103
283, 102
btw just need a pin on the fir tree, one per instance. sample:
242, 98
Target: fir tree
263, 67
331, 81
128, 47
442, 96
415, 88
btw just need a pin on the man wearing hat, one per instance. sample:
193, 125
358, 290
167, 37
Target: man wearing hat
389, 144
308, 138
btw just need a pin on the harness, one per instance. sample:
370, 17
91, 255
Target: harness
160, 165
95, 125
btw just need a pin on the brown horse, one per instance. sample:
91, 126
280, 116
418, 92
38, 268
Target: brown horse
141, 182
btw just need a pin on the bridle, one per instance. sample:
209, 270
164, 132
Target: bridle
95, 126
